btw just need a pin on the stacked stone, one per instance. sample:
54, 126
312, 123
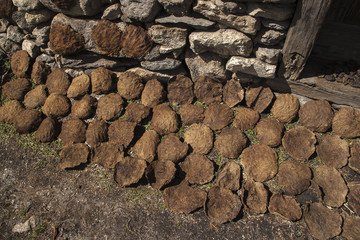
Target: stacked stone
154, 38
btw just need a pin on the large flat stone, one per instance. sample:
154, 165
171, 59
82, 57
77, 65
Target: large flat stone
140, 10
270, 11
251, 66
197, 23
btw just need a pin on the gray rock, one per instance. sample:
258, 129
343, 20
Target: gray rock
246, 78
276, 25
269, 37
29, 20
80, 8
26, 226
215, 10
251, 66
268, 55
197, 23
45, 58
8, 47
140, 10
176, 7
112, 12
170, 38
270, 11
30, 46
208, 63
154, 54
147, 75
234, 8
4, 23
223, 42
41, 34
166, 64
15, 34
27, 5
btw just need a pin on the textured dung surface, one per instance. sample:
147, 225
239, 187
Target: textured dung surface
190, 114
135, 41
129, 85
199, 137
299, 142
198, 168
96, 132
36, 97
255, 196
64, 40
153, 93
73, 131
269, 131
230, 142
83, 108
245, 118
145, 147
160, 173
208, 90
259, 98
47, 131
101, 80
172, 149
110, 107
27, 121
73, 155
58, 82
346, 123
107, 37
79, 86
180, 90
333, 151
285, 207
129, 171
164, 119
316, 115
354, 161
233, 93
228, 176
56, 106
135, 112
16, 89
121, 132
107, 154
285, 107
20, 63
218, 116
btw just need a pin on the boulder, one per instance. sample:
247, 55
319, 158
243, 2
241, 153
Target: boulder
269, 37
180, 90
10, 110
65, 40
255, 196
112, 12
218, 116
152, 94
135, 112
199, 137
285, 207
36, 97
27, 5
346, 122
28, 20
96, 132
27, 121
245, 118
16, 89
270, 11
31, 48
135, 42
251, 66
129, 171
332, 185
268, 55
73, 155
121, 132
208, 90
323, 223
316, 115
83, 108
285, 107
354, 161
215, 10
20, 63
170, 39
39, 72
172, 149
58, 82
108, 154
79, 86
228, 176
260, 162
101, 80
129, 85
142, 10
190, 114
41, 33
225, 42
222, 205
164, 119
233, 93
15, 34
47, 131
73, 131
294, 177
56, 106
110, 107
145, 147
198, 169
230, 142
299, 143
184, 199
269, 132
333, 151
160, 173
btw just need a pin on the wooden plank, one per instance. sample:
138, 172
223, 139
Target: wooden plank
301, 36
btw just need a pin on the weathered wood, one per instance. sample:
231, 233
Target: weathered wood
319, 88
302, 33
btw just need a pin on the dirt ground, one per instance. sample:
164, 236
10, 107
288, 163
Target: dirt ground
88, 204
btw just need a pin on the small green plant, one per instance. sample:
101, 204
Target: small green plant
40, 228
198, 103
147, 126
282, 155
181, 131
270, 115
135, 195
315, 163
289, 126
3, 100
220, 160
251, 136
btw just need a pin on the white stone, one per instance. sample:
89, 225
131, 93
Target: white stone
15, 34
112, 12
270, 37
170, 38
4, 23
140, 10
224, 42
31, 48
26, 5
38, 16
26, 226
268, 55
251, 66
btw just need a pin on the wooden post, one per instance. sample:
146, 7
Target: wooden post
302, 33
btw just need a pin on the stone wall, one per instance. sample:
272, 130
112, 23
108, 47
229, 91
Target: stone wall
239, 39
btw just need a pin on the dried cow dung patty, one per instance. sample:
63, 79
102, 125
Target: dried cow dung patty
351, 227
96, 132
180, 90
16, 89
135, 112
184, 199
333, 151
47, 131
198, 168
164, 119
79, 86
316, 115
354, 161
354, 196
135, 41
20, 63
269, 131
129, 85
228, 176
222, 205
255, 196
346, 123
27, 121
199, 137
73, 131
107, 154
10, 110
332, 185
294, 177
64, 40
160, 173
260, 162
129, 171
110, 107
73, 155
322, 222
56, 106
258, 98
208, 90
172, 149
245, 118
39, 72
218, 116
233, 93
285, 107
107, 37
285, 207
36, 97
230, 142
190, 114
145, 147
121, 132
58, 82
299, 143
153, 93
83, 108
101, 80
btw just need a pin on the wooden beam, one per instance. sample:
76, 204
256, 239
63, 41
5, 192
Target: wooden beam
308, 18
